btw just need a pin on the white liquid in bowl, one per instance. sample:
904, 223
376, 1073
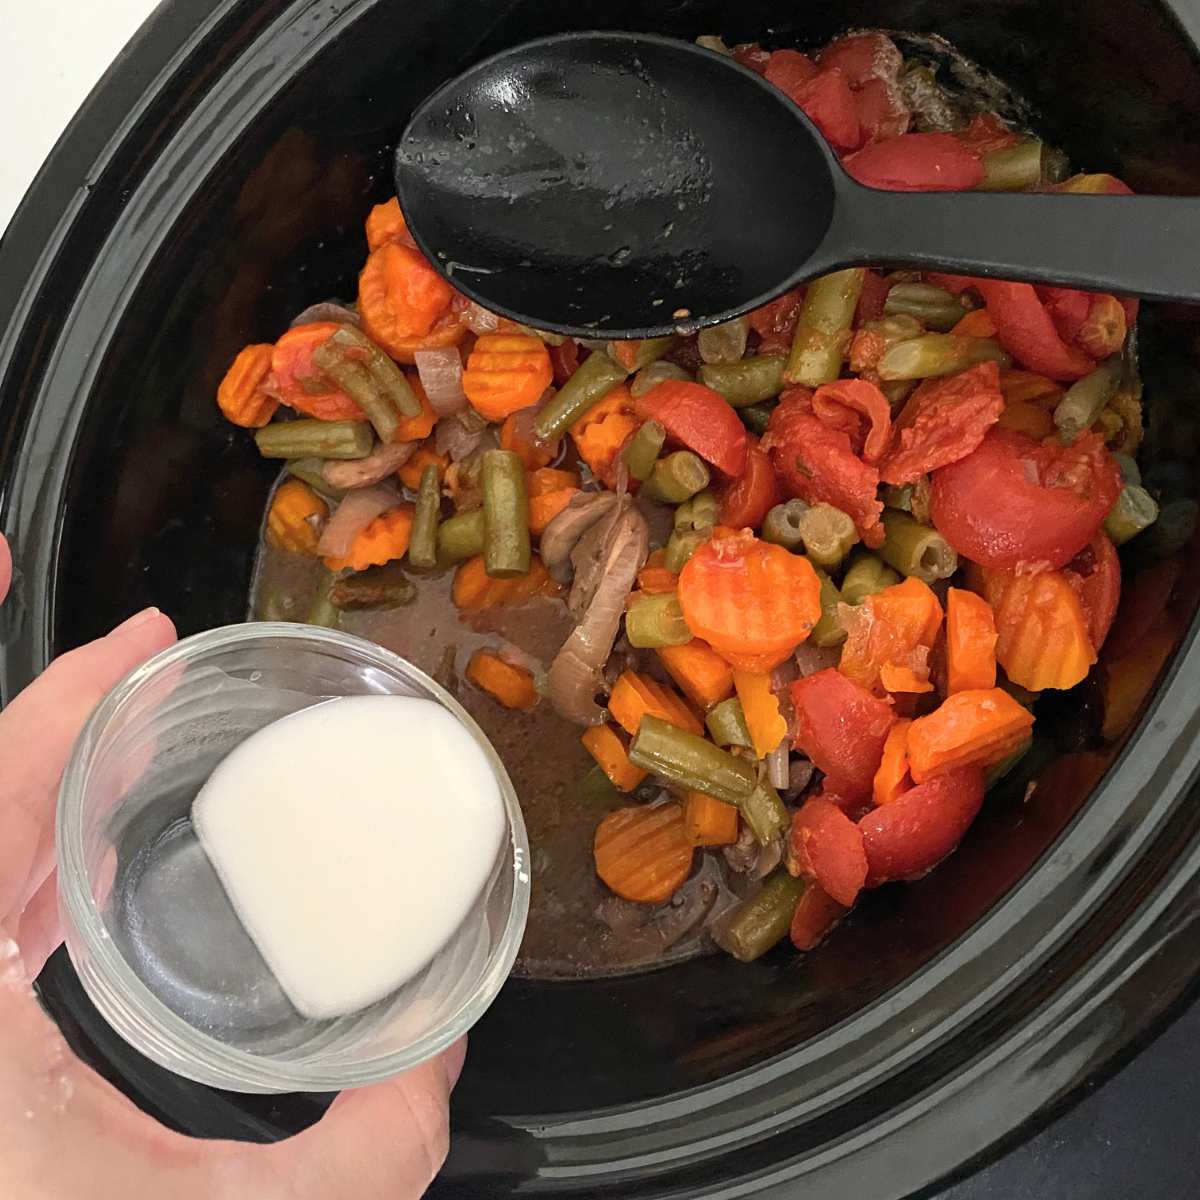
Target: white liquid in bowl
352, 838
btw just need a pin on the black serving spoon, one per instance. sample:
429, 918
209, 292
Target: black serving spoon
635, 184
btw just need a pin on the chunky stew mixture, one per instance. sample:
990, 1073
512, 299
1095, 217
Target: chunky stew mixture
754, 616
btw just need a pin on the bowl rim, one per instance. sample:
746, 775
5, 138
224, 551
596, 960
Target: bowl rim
1126, 866
135, 1011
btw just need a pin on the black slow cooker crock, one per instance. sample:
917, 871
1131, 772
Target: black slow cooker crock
213, 185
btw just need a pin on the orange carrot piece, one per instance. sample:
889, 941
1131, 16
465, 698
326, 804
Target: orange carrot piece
447, 331
892, 778
510, 685
400, 295
543, 509
976, 324
970, 642
298, 382
1042, 630
643, 853
545, 480
529, 450
1028, 386
969, 728
604, 429
240, 396
295, 517
701, 673
748, 597
385, 223
505, 373
635, 696
605, 746
654, 578
760, 706
709, 821
424, 456
1028, 418
384, 540
474, 590
418, 428
896, 677
895, 627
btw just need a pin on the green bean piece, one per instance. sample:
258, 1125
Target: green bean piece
1172, 531
724, 343
828, 534
688, 761
828, 631
676, 478
389, 379
595, 377
681, 545
764, 813
653, 621
823, 330
866, 575
898, 496
1134, 511
997, 771
308, 470
506, 550
1086, 399
315, 439
934, 307
656, 373
757, 417
646, 350
727, 724
1013, 169
423, 541
699, 513
643, 449
782, 525
377, 587
934, 354
763, 921
461, 536
916, 550
897, 392
1130, 471
323, 611
359, 384
750, 381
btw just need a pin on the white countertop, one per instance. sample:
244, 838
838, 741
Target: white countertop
51, 55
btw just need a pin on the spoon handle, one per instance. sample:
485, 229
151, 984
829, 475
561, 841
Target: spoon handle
1129, 245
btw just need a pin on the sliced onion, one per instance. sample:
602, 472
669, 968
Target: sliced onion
478, 320
441, 373
452, 437
352, 516
777, 766
327, 310
811, 659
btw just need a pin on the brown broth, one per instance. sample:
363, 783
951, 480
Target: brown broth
563, 795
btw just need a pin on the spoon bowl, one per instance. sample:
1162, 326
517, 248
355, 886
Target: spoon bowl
632, 185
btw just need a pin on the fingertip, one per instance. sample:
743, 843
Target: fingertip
150, 628
5, 568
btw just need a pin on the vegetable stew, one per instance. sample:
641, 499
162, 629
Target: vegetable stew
754, 617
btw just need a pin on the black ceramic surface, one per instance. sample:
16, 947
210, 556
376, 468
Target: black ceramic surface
214, 185
634, 184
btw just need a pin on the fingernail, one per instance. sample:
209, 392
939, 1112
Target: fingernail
136, 621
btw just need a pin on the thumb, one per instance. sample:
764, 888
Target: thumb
5, 568
384, 1142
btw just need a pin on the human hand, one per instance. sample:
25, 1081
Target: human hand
65, 1131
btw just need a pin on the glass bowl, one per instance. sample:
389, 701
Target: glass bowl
147, 925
